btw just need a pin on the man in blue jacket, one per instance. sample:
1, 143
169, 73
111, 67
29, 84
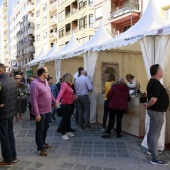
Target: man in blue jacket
8, 109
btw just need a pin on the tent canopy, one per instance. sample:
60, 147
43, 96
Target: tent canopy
34, 62
72, 44
151, 23
98, 38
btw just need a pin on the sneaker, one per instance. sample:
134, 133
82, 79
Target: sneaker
102, 130
159, 162
106, 135
149, 152
42, 153
70, 134
65, 137
47, 146
6, 164
14, 160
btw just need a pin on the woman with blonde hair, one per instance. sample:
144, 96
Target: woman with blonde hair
67, 97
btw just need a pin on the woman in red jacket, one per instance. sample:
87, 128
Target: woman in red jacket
118, 98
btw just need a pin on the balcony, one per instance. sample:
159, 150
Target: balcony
5, 22
30, 8
53, 21
124, 13
53, 36
53, 7
31, 31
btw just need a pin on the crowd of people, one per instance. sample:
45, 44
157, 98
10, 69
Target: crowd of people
45, 98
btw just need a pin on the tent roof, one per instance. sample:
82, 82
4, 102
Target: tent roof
50, 53
71, 45
98, 38
149, 24
34, 62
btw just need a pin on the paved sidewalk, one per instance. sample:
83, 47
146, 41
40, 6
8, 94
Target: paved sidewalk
86, 151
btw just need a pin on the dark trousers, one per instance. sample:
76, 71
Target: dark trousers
65, 123
156, 123
7, 140
41, 130
105, 115
84, 110
77, 112
119, 115
31, 115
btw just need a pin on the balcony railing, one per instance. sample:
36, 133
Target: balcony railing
53, 20
131, 7
53, 6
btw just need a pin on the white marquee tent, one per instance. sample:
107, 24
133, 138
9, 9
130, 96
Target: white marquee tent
34, 62
151, 36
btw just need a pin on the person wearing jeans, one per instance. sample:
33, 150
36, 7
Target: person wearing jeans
41, 100
41, 130
158, 102
8, 109
83, 86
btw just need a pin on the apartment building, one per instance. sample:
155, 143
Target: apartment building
45, 18
4, 55
22, 34
119, 16
74, 16
122, 14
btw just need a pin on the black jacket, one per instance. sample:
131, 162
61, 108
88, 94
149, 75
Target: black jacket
8, 96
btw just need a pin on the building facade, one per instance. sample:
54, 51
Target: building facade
122, 14
22, 34
119, 16
74, 16
4, 55
45, 18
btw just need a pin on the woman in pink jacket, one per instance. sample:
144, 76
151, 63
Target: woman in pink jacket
67, 97
118, 98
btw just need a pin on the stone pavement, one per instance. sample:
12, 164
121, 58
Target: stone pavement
86, 151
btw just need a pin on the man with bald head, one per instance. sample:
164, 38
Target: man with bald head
41, 100
83, 86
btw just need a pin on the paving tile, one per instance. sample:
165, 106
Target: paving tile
123, 155
73, 154
80, 167
98, 155
23, 163
36, 165
94, 168
110, 155
17, 168
86, 154
66, 165
31, 169
109, 169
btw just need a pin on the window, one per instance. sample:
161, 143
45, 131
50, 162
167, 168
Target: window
61, 33
83, 22
98, 13
38, 37
60, 2
45, 20
45, 34
61, 16
82, 4
167, 14
90, 20
45, 7
38, 13
83, 40
38, 26
90, 2
37, 2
